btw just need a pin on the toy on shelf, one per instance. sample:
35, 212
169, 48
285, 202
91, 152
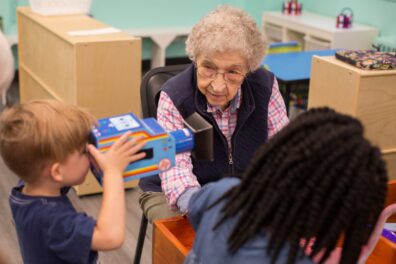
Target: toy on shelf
389, 234
292, 7
283, 47
161, 146
345, 18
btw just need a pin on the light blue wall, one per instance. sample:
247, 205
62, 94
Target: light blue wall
126, 14
378, 13
7, 11
152, 13
256, 8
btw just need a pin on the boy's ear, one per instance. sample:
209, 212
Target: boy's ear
55, 172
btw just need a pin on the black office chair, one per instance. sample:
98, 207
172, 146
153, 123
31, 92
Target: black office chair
149, 96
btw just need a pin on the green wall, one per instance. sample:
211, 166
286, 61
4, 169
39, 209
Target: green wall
152, 13
256, 8
8, 13
127, 14
378, 13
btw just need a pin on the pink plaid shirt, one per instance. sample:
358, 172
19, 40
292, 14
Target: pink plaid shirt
180, 178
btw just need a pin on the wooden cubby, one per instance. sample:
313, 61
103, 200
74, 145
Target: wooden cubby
100, 72
369, 95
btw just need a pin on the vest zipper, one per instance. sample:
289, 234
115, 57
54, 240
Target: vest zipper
230, 161
230, 158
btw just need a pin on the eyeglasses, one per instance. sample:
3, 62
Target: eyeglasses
231, 76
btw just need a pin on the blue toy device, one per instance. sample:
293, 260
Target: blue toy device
161, 146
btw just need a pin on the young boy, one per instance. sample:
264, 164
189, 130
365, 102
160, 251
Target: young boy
45, 142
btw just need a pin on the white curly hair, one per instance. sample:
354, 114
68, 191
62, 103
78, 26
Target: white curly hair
227, 29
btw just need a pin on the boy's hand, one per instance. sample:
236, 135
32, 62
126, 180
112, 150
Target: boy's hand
109, 232
120, 154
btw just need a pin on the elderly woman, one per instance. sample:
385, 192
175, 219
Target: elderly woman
227, 86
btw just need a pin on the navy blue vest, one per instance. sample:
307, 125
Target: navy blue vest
251, 130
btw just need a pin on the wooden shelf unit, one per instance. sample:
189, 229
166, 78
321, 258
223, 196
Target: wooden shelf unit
369, 95
99, 72
316, 32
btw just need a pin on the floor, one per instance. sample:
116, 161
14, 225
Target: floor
90, 204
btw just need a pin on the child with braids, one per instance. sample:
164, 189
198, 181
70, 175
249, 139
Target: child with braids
316, 181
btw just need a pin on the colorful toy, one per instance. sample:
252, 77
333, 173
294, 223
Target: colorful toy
283, 47
344, 19
161, 147
292, 7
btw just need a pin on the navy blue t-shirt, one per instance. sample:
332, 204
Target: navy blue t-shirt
50, 230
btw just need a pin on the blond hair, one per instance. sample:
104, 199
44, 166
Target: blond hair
39, 132
227, 29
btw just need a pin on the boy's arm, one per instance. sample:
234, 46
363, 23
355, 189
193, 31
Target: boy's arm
109, 231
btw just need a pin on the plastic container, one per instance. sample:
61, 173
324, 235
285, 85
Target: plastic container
60, 7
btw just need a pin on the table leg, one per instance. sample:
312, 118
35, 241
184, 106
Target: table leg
161, 42
287, 97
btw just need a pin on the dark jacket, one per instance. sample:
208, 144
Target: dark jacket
251, 130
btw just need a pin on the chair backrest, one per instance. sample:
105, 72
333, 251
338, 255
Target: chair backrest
151, 87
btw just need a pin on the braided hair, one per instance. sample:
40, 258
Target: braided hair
317, 178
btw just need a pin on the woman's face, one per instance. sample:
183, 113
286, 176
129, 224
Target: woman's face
219, 76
